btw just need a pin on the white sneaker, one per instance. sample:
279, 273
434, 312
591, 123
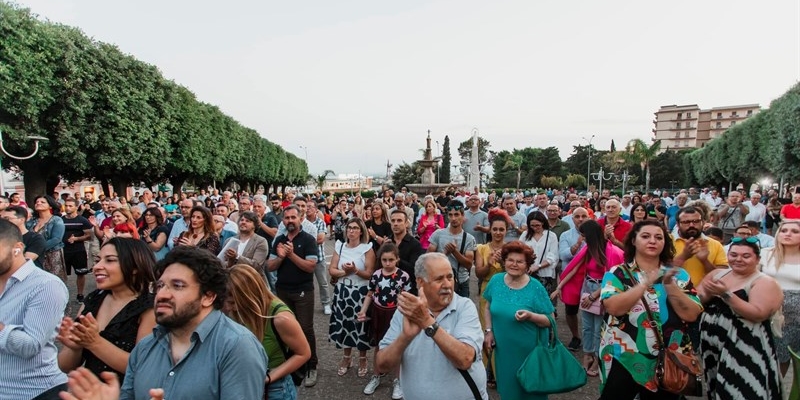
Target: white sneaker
326, 310
397, 390
373, 384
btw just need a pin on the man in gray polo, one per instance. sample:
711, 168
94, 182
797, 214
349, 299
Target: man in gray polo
476, 221
434, 335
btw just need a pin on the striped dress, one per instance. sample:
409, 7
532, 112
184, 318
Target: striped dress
739, 356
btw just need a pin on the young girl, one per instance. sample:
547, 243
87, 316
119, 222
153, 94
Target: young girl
385, 286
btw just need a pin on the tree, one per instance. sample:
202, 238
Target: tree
639, 152
321, 179
406, 173
552, 182
577, 162
575, 181
485, 156
514, 162
444, 172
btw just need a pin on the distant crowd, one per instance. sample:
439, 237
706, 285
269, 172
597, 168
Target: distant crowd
211, 295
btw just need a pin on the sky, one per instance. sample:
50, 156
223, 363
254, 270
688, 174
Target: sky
352, 84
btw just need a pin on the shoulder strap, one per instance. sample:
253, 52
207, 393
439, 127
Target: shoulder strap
546, 240
278, 339
463, 240
653, 324
750, 281
471, 383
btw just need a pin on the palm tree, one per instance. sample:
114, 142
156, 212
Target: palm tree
515, 161
321, 179
639, 152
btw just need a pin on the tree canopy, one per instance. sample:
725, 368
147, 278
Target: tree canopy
111, 117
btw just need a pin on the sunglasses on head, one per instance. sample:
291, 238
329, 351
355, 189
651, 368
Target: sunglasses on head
750, 239
454, 208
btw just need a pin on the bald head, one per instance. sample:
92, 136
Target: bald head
579, 215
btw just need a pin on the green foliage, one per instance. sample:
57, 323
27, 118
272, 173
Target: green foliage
113, 118
485, 156
552, 182
444, 169
577, 162
406, 173
637, 151
575, 181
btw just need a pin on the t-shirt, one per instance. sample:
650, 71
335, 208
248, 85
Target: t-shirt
442, 237
270, 220
291, 278
520, 221
472, 219
75, 227
386, 288
695, 268
34, 243
790, 211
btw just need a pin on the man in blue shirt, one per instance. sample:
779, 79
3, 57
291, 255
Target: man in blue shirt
195, 351
33, 303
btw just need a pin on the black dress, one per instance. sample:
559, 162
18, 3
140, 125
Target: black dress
384, 229
120, 331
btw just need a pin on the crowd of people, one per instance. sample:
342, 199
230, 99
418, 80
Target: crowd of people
199, 289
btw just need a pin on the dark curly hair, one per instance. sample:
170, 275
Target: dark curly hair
667, 254
516, 246
535, 215
207, 269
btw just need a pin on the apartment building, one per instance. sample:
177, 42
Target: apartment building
690, 127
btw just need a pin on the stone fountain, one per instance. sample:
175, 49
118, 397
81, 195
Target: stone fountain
428, 185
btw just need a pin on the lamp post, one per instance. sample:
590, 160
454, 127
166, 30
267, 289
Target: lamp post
601, 176
439, 157
589, 163
35, 139
624, 178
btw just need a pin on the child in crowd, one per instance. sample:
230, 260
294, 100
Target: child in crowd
385, 287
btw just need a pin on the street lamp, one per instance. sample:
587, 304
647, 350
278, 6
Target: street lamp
600, 177
589, 163
438, 158
624, 178
35, 139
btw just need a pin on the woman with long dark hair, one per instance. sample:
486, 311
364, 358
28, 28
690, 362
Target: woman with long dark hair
117, 315
544, 244
589, 265
378, 226
628, 351
51, 227
201, 232
154, 232
638, 213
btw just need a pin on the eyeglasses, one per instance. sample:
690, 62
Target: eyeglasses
536, 225
751, 239
174, 287
691, 222
353, 228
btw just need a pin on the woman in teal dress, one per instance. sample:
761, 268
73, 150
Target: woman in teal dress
517, 309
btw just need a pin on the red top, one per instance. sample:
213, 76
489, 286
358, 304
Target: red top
571, 290
789, 211
621, 228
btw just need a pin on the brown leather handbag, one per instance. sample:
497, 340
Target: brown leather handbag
676, 372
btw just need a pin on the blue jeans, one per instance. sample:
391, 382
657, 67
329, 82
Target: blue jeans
591, 323
282, 389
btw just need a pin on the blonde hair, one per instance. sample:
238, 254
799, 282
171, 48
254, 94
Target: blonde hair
778, 253
425, 206
251, 297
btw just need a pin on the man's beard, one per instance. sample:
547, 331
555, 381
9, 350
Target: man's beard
291, 227
691, 233
180, 316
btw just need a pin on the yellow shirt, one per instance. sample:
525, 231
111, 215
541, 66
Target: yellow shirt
693, 265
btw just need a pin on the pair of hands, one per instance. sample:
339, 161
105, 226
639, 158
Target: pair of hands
81, 334
714, 287
696, 247
285, 249
84, 385
349, 268
416, 313
231, 254
609, 231
450, 248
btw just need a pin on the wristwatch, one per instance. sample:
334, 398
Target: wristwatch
487, 330
431, 330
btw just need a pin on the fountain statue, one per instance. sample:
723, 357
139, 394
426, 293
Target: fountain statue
428, 178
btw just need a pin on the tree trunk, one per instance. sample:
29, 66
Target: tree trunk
120, 185
177, 183
647, 180
35, 181
104, 184
52, 182
519, 175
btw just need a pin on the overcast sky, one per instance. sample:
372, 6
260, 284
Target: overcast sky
360, 82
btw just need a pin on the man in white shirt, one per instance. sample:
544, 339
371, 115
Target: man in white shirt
757, 210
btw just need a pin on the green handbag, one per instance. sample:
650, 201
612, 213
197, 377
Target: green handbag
536, 376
